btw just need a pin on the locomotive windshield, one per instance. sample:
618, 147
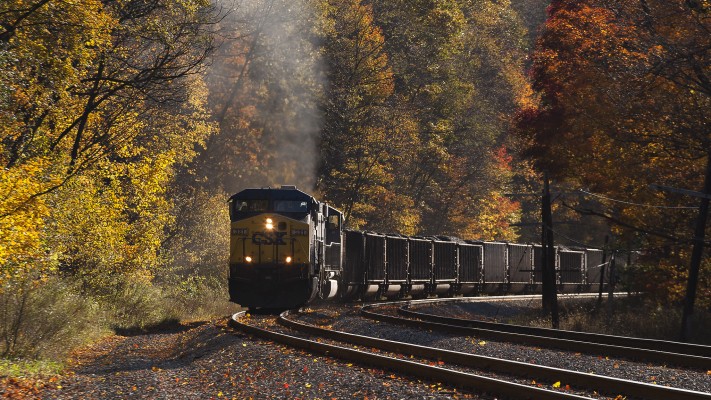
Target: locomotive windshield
287, 201
291, 206
251, 205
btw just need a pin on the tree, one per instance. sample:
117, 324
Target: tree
627, 84
442, 52
104, 95
364, 142
264, 83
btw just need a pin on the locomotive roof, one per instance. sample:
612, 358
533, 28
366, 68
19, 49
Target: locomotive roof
283, 193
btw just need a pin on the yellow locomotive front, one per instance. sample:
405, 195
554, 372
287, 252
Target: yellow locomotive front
275, 247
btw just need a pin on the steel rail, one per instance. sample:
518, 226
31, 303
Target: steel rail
609, 385
647, 355
641, 343
474, 382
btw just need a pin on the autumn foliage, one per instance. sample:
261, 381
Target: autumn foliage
624, 104
125, 125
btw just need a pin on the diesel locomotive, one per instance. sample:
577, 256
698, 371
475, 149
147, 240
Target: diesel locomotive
284, 248
287, 249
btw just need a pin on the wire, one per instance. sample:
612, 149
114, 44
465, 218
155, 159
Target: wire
586, 245
638, 204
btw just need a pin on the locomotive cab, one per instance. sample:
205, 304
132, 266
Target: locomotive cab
277, 249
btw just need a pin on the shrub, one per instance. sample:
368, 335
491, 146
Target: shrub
133, 303
44, 318
198, 297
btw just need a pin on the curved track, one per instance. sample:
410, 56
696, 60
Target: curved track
451, 358
640, 343
473, 382
655, 351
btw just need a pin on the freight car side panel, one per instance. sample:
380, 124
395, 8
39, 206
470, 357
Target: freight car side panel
571, 266
445, 261
420, 260
520, 263
375, 257
396, 258
470, 263
494, 262
354, 257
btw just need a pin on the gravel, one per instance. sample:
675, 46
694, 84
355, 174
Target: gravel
596, 364
211, 361
208, 360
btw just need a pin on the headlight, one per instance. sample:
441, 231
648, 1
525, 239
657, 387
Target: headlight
270, 224
248, 259
288, 260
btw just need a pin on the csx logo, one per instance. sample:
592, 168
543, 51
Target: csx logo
268, 238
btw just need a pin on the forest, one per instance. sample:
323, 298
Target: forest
125, 125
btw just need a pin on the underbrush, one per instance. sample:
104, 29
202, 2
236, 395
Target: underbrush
635, 316
199, 297
42, 321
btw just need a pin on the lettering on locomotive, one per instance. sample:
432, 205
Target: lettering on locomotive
268, 238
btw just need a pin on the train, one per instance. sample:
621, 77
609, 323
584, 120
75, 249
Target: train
288, 249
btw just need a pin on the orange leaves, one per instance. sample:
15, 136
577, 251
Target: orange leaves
20, 388
617, 115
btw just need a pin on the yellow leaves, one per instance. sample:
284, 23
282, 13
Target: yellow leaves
21, 218
113, 214
556, 384
495, 215
482, 343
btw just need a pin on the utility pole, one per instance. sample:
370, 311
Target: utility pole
696, 256
698, 249
550, 296
612, 278
602, 270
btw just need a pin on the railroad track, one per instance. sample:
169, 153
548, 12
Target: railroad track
645, 350
450, 364
650, 344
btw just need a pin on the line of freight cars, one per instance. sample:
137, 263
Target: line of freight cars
382, 265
